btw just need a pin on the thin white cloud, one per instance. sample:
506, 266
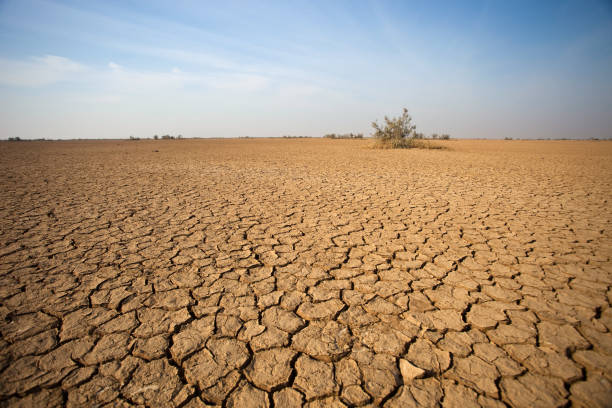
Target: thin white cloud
51, 69
300, 90
38, 71
217, 62
127, 81
200, 58
238, 82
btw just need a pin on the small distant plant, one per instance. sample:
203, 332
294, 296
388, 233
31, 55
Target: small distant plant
434, 136
444, 137
507, 138
295, 137
155, 137
134, 138
14, 139
344, 136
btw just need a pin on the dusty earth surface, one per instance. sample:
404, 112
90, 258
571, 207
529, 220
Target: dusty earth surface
255, 273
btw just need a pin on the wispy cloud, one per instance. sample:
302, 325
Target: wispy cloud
225, 57
39, 71
51, 69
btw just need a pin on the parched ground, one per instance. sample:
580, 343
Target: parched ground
305, 272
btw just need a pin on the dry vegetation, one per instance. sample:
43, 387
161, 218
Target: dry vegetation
306, 271
400, 133
344, 136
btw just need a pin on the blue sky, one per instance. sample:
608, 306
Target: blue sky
485, 69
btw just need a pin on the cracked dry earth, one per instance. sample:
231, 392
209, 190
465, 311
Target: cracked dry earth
256, 273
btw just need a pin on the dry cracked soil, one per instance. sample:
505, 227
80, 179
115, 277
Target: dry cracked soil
285, 273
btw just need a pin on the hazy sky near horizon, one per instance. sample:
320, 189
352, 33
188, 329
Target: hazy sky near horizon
485, 69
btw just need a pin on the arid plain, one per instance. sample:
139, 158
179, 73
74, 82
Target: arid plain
290, 272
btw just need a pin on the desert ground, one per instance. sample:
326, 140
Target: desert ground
305, 272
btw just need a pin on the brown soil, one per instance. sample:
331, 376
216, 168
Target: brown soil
305, 272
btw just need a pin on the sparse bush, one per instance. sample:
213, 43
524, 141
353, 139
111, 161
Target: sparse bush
507, 138
344, 136
397, 133
445, 137
14, 139
155, 137
434, 136
134, 138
